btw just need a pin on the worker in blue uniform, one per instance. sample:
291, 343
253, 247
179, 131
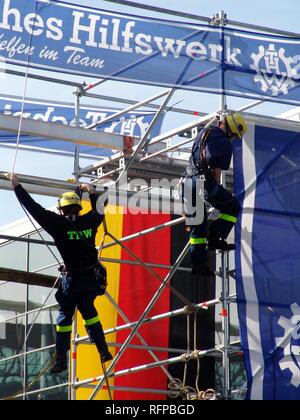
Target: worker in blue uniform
211, 154
82, 276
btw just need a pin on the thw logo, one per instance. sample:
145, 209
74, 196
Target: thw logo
75, 235
273, 69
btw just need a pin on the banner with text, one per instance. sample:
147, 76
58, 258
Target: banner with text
86, 41
133, 124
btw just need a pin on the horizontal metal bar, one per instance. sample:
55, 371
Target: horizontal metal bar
131, 108
160, 10
147, 231
263, 29
153, 106
203, 18
60, 132
179, 359
33, 149
39, 391
17, 356
42, 78
4, 321
129, 262
39, 185
27, 240
168, 149
177, 312
137, 347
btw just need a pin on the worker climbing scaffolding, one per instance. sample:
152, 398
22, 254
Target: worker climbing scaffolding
82, 277
211, 154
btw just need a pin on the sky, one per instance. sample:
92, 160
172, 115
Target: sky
282, 15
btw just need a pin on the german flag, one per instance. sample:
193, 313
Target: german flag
132, 287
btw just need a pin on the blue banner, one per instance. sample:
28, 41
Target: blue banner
267, 178
133, 124
85, 41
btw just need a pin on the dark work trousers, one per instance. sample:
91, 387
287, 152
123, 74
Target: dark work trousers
68, 300
229, 209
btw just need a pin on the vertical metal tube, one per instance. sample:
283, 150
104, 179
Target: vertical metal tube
73, 361
222, 35
25, 347
77, 149
226, 326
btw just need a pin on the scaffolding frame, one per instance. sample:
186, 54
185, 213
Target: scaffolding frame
117, 164
227, 348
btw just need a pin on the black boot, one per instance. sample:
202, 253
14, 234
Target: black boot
105, 356
96, 334
60, 364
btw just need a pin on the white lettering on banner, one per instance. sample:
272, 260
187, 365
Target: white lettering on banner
143, 43
14, 47
13, 14
96, 117
232, 53
76, 58
44, 117
169, 47
91, 29
54, 32
196, 50
103, 31
49, 54
214, 50
33, 23
128, 35
61, 120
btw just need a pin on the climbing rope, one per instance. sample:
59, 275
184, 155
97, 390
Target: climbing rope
178, 387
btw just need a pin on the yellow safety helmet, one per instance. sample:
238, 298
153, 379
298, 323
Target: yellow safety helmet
237, 124
69, 199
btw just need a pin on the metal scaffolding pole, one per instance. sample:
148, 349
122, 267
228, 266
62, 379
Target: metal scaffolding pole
225, 299
143, 317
